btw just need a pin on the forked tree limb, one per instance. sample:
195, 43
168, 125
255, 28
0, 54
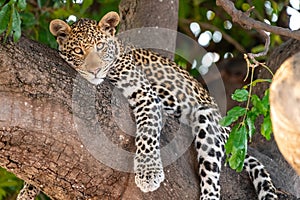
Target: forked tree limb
39, 141
247, 22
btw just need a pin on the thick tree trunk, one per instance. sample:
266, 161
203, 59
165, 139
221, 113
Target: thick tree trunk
139, 14
41, 139
145, 13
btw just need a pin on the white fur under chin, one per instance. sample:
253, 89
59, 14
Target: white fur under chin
96, 81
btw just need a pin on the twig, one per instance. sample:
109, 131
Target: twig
249, 23
252, 56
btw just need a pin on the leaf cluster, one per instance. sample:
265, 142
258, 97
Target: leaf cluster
33, 17
243, 121
10, 18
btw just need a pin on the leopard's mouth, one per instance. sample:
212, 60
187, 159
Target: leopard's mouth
97, 76
95, 79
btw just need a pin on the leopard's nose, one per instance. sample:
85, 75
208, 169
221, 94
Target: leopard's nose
92, 63
94, 71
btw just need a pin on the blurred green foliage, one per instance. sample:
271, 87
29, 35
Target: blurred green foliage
196, 11
9, 184
33, 17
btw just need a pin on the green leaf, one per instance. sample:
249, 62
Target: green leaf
265, 99
274, 6
16, 25
21, 4
259, 7
240, 138
250, 124
260, 80
68, 4
12, 2
250, 121
4, 17
236, 147
9, 183
266, 127
245, 6
9, 25
232, 115
236, 161
257, 103
229, 143
258, 48
240, 95
28, 19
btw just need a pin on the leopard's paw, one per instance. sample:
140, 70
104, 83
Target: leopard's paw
149, 180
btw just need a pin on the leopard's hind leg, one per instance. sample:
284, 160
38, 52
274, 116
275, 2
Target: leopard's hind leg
210, 139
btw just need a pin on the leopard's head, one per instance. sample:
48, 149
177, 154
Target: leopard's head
88, 46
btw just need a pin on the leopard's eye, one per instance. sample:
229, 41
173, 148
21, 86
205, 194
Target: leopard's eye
100, 46
78, 50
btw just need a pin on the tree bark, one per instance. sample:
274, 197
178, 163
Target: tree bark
139, 14
39, 137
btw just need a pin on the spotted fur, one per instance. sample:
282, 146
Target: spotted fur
28, 192
153, 85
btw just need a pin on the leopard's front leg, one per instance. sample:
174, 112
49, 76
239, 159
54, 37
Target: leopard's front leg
147, 110
147, 162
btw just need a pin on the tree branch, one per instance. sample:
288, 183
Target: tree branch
248, 23
40, 142
40, 138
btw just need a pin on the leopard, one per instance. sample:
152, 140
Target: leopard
28, 192
154, 85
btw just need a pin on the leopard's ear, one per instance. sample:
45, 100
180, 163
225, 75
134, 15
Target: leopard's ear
59, 29
109, 22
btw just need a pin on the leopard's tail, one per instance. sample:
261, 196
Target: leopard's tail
260, 179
